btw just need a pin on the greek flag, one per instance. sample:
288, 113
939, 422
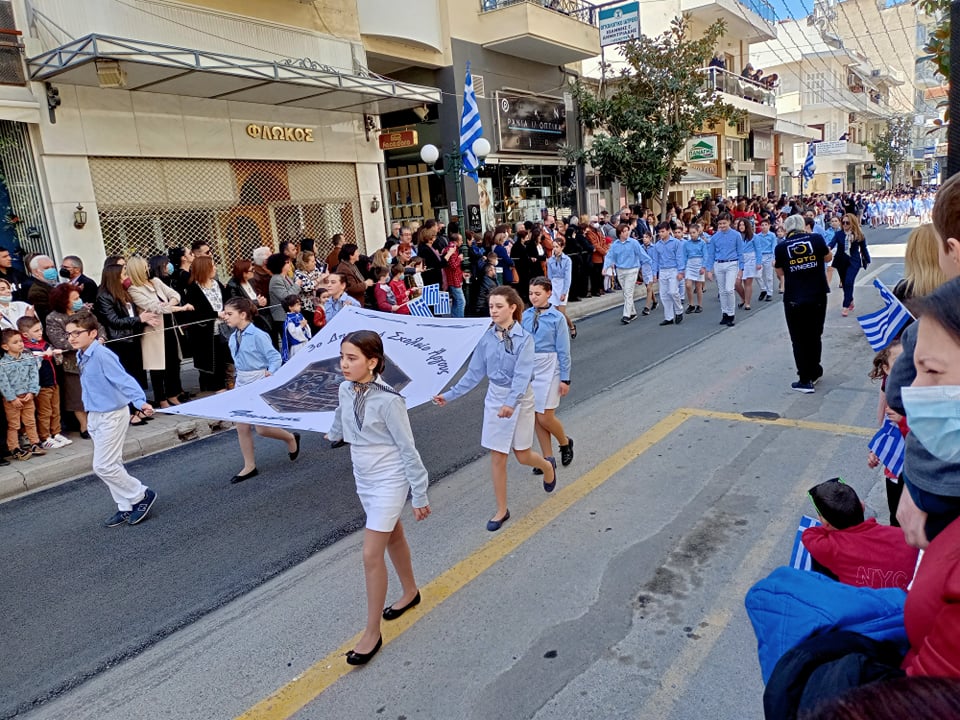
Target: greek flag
431, 294
800, 557
936, 168
882, 326
809, 167
418, 308
470, 129
443, 304
888, 445
886, 173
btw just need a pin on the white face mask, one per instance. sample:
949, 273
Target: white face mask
933, 414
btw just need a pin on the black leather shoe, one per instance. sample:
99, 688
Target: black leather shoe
566, 452
666, 322
678, 318
392, 613
355, 658
494, 525
296, 453
240, 478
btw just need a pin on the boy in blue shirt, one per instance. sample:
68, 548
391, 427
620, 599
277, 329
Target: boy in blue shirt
107, 389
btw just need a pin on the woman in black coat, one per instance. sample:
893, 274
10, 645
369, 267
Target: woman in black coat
210, 352
123, 324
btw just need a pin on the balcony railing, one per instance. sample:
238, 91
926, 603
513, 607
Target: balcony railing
727, 82
761, 8
582, 11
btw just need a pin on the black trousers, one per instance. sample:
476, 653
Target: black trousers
805, 323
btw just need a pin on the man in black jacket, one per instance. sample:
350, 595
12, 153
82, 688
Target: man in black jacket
71, 270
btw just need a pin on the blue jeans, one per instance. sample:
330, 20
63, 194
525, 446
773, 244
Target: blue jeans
849, 280
457, 302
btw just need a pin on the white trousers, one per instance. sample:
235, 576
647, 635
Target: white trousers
628, 283
726, 273
766, 274
670, 294
108, 430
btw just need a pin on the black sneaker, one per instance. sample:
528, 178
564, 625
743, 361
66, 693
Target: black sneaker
117, 519
566, 452
537, 471
678, 318
804, 387
690, 309
763, 296
698, 309
768, 298
645, 312
723, 320
731, 321
141, 509
624, 321
666, 322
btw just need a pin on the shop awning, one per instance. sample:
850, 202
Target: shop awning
137, 65
698, 177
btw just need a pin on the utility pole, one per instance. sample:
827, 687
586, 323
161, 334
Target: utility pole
953, 129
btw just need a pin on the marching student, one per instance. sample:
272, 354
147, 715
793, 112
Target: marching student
107, 389
372, 419
751, 264
646, 274
625, 256
255, 357
560, 274
668, 267
726, 262
680, 233
551, 371
765, 242
506, 356
694, 251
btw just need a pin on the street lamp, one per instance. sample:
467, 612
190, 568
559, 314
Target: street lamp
453, 163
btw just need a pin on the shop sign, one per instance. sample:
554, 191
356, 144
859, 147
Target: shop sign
398, 140
531, 124
832, 147
762, 145
702, 148
280, 133
474, 219
619, 24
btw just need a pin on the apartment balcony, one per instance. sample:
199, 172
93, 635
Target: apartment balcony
551, 32
926, 75
756, 99
842, 150
750, 21
887, 75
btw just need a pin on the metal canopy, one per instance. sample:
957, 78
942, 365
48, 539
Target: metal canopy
151, 67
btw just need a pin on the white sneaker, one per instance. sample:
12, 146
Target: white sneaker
49, 444
64, 441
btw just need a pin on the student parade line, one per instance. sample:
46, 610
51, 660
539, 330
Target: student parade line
315, 680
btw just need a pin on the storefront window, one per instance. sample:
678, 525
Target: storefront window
523, 191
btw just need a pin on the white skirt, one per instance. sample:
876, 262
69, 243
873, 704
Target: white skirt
514, 432
546, 382
245, 377
750, 266
381, 484
556, 301
692, 271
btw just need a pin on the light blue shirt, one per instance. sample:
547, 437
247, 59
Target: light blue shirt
727, 246
625, 255
694, 249
765, 242
667, 255
552, 336
331, 307
490, 359
252, 350
104, 384
560, 273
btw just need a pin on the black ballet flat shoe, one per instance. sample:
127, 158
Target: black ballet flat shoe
494, 525
355, 658
551, 486
296, 453
240, 478
392, 613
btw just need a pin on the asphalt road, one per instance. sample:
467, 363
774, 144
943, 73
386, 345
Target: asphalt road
77, 599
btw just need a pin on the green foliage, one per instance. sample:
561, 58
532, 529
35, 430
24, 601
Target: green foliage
642, 123
893, 143
938, 42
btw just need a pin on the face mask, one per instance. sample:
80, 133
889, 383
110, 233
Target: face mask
169, 268
6, 299
51, 275
127, 282
64, 273
933, 414
76, 305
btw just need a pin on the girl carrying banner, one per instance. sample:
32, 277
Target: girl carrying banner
372, 418
506, 356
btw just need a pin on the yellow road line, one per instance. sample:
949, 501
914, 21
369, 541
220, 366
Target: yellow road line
833, 428
311, 683
307, 686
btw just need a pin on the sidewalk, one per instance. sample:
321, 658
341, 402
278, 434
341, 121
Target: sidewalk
164, 432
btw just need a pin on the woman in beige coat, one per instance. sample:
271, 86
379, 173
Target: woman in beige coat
161, 352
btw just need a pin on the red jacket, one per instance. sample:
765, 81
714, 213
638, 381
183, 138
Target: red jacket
932, 612
866, 555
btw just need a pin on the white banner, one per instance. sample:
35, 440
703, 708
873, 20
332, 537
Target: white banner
423, 355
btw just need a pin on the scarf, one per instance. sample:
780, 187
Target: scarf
360, 396
536, 317
504, 336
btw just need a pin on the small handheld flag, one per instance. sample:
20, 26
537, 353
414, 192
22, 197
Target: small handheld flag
800, 557
882, 326
443, 304
888, 445
418, 308
431, 294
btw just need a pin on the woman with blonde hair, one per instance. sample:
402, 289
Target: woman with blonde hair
921, 265
158, 345
859, 257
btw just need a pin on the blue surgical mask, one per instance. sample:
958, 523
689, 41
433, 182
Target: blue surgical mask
6, 299
933, 414
51, 275
169, 268
77, 305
